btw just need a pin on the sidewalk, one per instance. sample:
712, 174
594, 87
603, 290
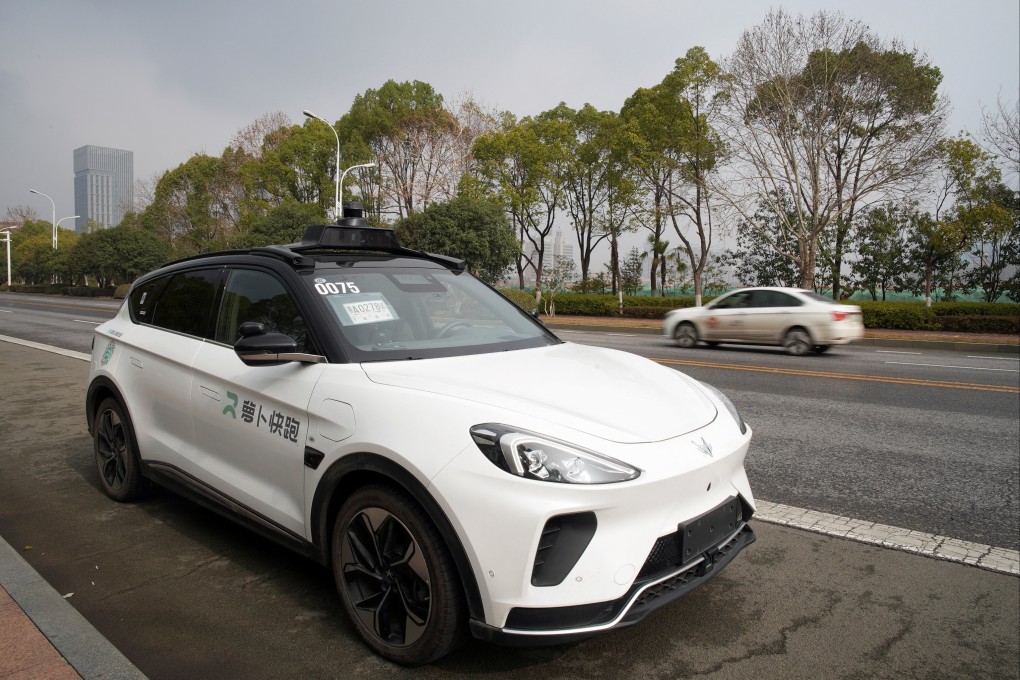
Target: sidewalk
45, 638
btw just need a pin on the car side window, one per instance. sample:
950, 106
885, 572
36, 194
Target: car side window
258, 296
734, 301
784, 300
142, 301
186, 302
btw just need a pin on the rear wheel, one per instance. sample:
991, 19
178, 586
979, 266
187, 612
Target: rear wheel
396, 578
116, 453
797, 341
686, 335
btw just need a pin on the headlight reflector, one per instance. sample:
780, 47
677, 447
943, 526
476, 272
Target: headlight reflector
534, 456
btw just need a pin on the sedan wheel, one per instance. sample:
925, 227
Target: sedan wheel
686, 335
797, 342
115, 453
397, 581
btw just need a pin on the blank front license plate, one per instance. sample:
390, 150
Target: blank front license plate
703, 532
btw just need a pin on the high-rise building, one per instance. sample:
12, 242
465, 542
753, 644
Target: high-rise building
104, 185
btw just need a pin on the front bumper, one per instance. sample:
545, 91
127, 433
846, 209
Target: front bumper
533, 626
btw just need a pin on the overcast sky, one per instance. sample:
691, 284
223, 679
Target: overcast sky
167, 80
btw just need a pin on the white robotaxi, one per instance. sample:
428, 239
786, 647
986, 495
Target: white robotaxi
382, 411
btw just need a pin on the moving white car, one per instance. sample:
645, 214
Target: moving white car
382, 411
796, 319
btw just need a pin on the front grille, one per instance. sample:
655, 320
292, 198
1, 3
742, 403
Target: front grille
666, 555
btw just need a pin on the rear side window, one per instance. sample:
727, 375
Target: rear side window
186, 303
143, 299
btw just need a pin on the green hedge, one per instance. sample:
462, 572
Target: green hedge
522, 298
910, 316
980, 323
974, 308
87, 291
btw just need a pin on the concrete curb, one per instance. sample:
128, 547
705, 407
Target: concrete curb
86, 649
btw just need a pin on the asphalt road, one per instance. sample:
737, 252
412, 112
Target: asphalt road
185, 594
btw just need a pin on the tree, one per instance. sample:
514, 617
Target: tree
764, 243
933, 248
475, 230
823, 110
630, 272
676, 150
881, 244
1000, 136
283, 224
558, 278
405, 128
523, 165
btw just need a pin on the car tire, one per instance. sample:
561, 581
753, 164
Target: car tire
116, 453
396, 578
686, 335
821, 349
797, 342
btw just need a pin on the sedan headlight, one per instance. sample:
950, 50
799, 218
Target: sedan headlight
534, 456
729, 406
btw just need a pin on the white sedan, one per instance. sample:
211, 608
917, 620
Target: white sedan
799, 320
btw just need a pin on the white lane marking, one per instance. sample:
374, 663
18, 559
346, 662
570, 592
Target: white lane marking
7, 311
930, 545
892, 351
94, 323
969, 368
999, 358
47, 348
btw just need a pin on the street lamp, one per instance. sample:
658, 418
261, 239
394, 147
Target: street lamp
54, 221
57, 227
336, 201
7, 240
340, 185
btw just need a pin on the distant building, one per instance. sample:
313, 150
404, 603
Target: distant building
104, 185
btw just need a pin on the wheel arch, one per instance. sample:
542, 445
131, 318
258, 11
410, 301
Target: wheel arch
355, 471
99, 389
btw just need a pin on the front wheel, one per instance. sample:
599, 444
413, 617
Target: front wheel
396, 578
797, 341
116, 453
686, 335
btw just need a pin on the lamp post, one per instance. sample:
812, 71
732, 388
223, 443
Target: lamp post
7, 240
340, 185
54, 215
336, 200
72, 217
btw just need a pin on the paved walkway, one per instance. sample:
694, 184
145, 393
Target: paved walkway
42, 637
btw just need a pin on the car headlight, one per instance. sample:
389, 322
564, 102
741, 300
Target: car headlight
534, 456
729, 406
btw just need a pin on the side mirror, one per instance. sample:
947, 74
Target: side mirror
258, 348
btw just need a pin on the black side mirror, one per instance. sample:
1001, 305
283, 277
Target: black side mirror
258, 348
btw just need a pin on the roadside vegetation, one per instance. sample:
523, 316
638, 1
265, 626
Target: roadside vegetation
816, 148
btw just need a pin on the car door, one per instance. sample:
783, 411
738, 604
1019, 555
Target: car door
251, 422
767, 318
726, 319
171, 316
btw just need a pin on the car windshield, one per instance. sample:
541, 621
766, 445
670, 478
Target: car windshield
393, 314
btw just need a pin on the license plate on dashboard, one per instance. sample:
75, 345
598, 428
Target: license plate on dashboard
701, 533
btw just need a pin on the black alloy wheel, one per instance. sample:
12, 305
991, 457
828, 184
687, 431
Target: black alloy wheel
116, 453
396, 579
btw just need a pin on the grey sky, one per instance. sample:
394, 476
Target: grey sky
170, 79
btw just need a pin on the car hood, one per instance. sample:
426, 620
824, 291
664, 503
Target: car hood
612, 395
